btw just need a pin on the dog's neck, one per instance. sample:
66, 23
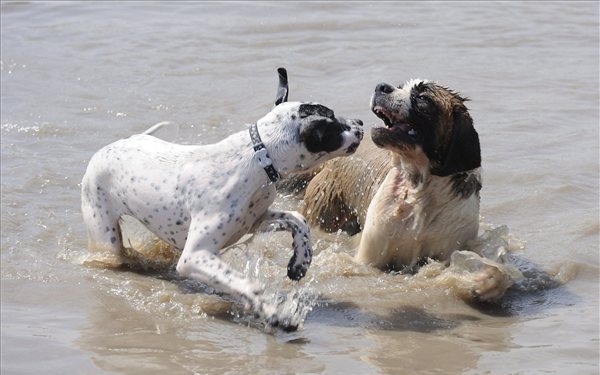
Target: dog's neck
414, 167
261, 154
284, 147
416, 171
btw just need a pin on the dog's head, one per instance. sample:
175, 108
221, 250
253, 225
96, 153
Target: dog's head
303, 135
300, 135
426, 123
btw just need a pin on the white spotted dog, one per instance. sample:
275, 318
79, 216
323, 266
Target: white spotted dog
204, 198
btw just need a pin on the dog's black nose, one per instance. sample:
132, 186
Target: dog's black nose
384, 88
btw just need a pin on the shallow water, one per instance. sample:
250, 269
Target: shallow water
76, 76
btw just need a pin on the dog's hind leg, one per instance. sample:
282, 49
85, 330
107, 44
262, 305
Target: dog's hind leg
105, 244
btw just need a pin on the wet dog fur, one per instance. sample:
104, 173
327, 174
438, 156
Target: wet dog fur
413, 191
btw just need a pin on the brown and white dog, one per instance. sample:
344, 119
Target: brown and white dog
413, 191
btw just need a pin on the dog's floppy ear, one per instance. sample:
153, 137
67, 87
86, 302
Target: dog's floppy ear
282, 90
464, 153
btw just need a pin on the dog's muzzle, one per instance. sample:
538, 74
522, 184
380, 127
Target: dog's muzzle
358, 133
352, 148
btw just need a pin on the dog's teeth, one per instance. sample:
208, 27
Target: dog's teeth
411, 132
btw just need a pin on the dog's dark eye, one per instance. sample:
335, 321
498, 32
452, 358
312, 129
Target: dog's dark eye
423, 98
322, 135
424, 104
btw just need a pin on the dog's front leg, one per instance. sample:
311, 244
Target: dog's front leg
200, 263
296, 223
205, 266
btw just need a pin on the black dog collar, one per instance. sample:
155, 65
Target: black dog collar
261, 154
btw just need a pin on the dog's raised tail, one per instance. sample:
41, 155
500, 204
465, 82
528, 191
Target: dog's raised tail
154, 128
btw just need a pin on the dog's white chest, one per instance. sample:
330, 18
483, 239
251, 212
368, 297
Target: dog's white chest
405, 223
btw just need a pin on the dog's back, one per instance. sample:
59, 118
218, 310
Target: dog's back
332, 202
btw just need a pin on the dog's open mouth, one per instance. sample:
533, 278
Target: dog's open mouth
393, 124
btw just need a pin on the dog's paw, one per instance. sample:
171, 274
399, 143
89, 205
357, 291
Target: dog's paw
478, 278
490, 284
292, 310
272, 316
284, 323
297, 268
297, 271
286, 312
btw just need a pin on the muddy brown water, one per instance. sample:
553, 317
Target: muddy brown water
79, 75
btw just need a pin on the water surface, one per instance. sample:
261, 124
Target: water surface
76, 76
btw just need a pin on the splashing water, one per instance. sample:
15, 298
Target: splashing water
332, 279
